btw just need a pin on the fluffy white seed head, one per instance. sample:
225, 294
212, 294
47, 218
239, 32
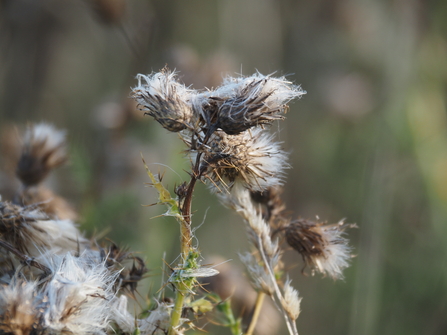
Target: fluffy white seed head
165, 99
323, 247
246, 102
121, 316
43, 149
158, 322
252, 158
19, 308
80, 295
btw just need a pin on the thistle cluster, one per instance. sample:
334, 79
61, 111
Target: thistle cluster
223, 128
231, 150
53, 279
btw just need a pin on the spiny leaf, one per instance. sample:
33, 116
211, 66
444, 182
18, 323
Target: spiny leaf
164, 196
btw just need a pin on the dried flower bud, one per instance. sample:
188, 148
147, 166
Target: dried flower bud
252, 158
322, 246
247, 102
165, 99
43, 150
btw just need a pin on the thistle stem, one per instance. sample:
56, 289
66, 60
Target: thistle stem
178, 308
185, 247
256, 313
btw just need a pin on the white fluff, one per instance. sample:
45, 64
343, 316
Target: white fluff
158, 322
45, 133
163, 84
37, 234
337, 252
80, 296
252, 158
279, 90
18, 307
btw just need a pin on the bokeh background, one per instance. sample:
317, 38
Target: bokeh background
367, 143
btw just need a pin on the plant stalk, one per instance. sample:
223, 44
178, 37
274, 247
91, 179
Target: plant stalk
178, 307
256, 313
184, 287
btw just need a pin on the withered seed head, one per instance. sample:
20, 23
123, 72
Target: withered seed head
252, 158
245, 110
165, 99
31, 231
322, 246
305, 237
43, 150
246, 102
119, 259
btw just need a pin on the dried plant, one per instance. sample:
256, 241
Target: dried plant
56, 281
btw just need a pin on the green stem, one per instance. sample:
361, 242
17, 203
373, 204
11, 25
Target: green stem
185, 286
178, 308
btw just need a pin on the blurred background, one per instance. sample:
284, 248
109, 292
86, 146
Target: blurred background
367, 143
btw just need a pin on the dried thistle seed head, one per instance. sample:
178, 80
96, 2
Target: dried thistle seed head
161, 96
131, 268
19, 309
80, 295
43, 149
322, 247
32, 232
251, 158
246, 102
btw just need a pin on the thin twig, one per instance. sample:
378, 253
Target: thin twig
27, 260
292, 329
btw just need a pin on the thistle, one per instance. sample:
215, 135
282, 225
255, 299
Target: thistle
231, 151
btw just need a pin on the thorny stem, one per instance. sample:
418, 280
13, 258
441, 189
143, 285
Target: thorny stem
256, 313
186, 237
24, 258
178, 307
